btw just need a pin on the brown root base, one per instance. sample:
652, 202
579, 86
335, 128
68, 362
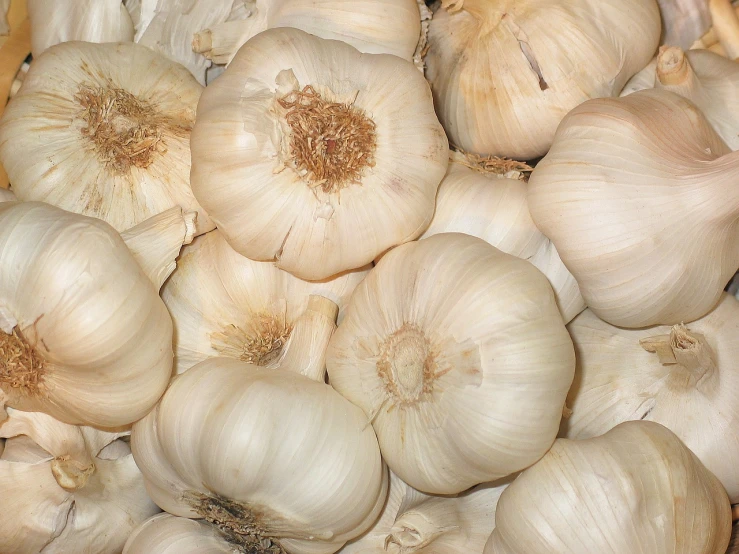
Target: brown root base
259, 342
21, 367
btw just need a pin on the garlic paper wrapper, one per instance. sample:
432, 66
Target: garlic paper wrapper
639, 195
168, 534
458, 354
370, 26
7, 195
505, 72
80, 321
67, 488
56, 21
297, 469
684, 21
487, 206
667, 375
103, 130
635, 489
224, 304
314, 155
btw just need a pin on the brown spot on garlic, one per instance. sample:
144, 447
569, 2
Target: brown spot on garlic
259, 342
22, 367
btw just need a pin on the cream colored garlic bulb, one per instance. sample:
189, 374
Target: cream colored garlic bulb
314, 155
635, 489
458, 355
684, 21
505, 72
684, 377
103, 130
84, 335
224, 304
640, 197
293, 467
479, 202
67, 489
168, 534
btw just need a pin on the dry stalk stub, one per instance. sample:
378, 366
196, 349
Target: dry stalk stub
22, 367
259, 342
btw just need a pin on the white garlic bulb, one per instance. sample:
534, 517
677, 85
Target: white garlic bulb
80, 321
635, 489
103, 130
725, 26
292, 465
66, 488
168, 534
314, 155
505, 72
639, 195
684, 21
458, 355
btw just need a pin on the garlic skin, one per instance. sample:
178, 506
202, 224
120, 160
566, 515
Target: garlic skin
505, 72
635, 489
684, 21
458, 355
275, 198
103, 130
167, 534
67, 488
83, 318
638, 194
7, 195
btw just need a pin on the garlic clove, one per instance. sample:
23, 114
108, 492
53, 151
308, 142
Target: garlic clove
167, 534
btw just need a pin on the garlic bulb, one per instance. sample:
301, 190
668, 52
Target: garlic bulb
7, 195
505, 72
80, 321
667, 375
293, 467
458, 355
478, 202
726, 26
103, 130
639, 195
55, 21
684, 21
635, 489
311, 154
371, 26
66, 488
167, 534
223, 304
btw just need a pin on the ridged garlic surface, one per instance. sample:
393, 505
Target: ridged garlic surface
103, 130
67, 489
458, 355
639, 195
168, 534
484, 204
505, 72
311, 154
635, 489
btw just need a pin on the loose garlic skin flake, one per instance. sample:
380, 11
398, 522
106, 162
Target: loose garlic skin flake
309, 153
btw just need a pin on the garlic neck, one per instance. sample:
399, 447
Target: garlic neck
674, 73
413, 531
72, 474
488, 12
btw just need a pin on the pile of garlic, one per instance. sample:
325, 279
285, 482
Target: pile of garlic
252, 302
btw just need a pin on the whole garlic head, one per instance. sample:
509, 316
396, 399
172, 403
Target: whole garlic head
168, 534
311, 154
640, 197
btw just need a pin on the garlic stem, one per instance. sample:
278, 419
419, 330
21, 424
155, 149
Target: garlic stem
72, 474
220, 42
675, 73
414, 530
685, 349
726, 26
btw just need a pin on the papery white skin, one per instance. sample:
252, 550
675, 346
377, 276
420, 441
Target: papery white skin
639, 195
505, 72
94, 515
48, 158
458, 354
725, 26
494, 209
267, 211
684, 21
635, 489
214, 289
7, 195
168, 534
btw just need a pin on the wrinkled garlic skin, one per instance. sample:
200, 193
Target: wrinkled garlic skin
168, 534
103, 130
620, 377
277, 197
458, 354
494, 209
638, 194
635, 489
79, 320
66, 488
684, 21
505, 72
296, 461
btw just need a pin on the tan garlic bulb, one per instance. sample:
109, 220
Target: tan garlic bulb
103, 130
639, 195
635, 489
476, 200
311, 154
168, 534
66, 488
223, 304
84, 335
294, 467
505, 72
458, 355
